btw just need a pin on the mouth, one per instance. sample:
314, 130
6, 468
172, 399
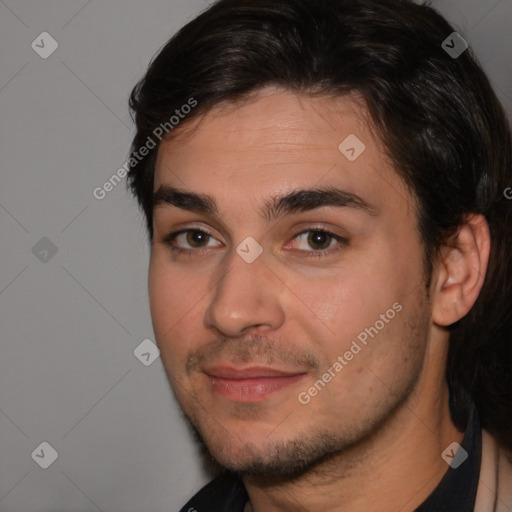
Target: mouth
250, 384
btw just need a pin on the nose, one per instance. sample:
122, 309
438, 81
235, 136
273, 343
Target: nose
246, 296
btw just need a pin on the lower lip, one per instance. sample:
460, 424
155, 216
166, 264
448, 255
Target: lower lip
251, 390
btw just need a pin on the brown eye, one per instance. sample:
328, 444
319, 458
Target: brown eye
319, 239
196, 238
190, 241
316, 240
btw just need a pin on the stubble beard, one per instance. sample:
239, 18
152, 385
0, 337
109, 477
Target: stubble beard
322, 450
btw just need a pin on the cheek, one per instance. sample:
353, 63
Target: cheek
175, 301
333, 309
343, 302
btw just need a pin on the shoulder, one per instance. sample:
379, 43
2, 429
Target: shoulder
226, 493
495, 487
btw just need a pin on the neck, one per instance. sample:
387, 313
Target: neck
397, 469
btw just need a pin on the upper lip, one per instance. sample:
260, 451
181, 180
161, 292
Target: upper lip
251, 372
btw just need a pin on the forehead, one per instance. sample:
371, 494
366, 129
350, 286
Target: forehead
274, 143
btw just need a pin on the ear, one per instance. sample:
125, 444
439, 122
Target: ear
461, 271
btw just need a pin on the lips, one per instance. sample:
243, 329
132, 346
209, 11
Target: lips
229, 372
250, 384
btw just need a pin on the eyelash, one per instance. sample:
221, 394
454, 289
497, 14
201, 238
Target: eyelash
169, 240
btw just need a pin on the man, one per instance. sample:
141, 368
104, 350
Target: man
330, 277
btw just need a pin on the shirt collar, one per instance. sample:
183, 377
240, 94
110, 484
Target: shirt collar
456, 492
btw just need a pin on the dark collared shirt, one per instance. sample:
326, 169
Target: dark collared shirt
456, 492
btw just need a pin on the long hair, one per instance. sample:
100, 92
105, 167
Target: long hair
441, 123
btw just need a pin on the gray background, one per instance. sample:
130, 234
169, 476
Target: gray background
70, 321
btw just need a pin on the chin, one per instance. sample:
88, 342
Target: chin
273, 461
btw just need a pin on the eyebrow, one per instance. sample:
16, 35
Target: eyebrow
293, 202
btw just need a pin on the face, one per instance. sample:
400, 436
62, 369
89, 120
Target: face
286, 280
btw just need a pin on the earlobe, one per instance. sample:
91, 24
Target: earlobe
461, 271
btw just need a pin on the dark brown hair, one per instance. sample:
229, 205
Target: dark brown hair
438, 117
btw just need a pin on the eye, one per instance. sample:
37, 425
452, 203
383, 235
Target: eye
189, 240
318, 242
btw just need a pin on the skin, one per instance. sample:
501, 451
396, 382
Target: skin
383, 419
